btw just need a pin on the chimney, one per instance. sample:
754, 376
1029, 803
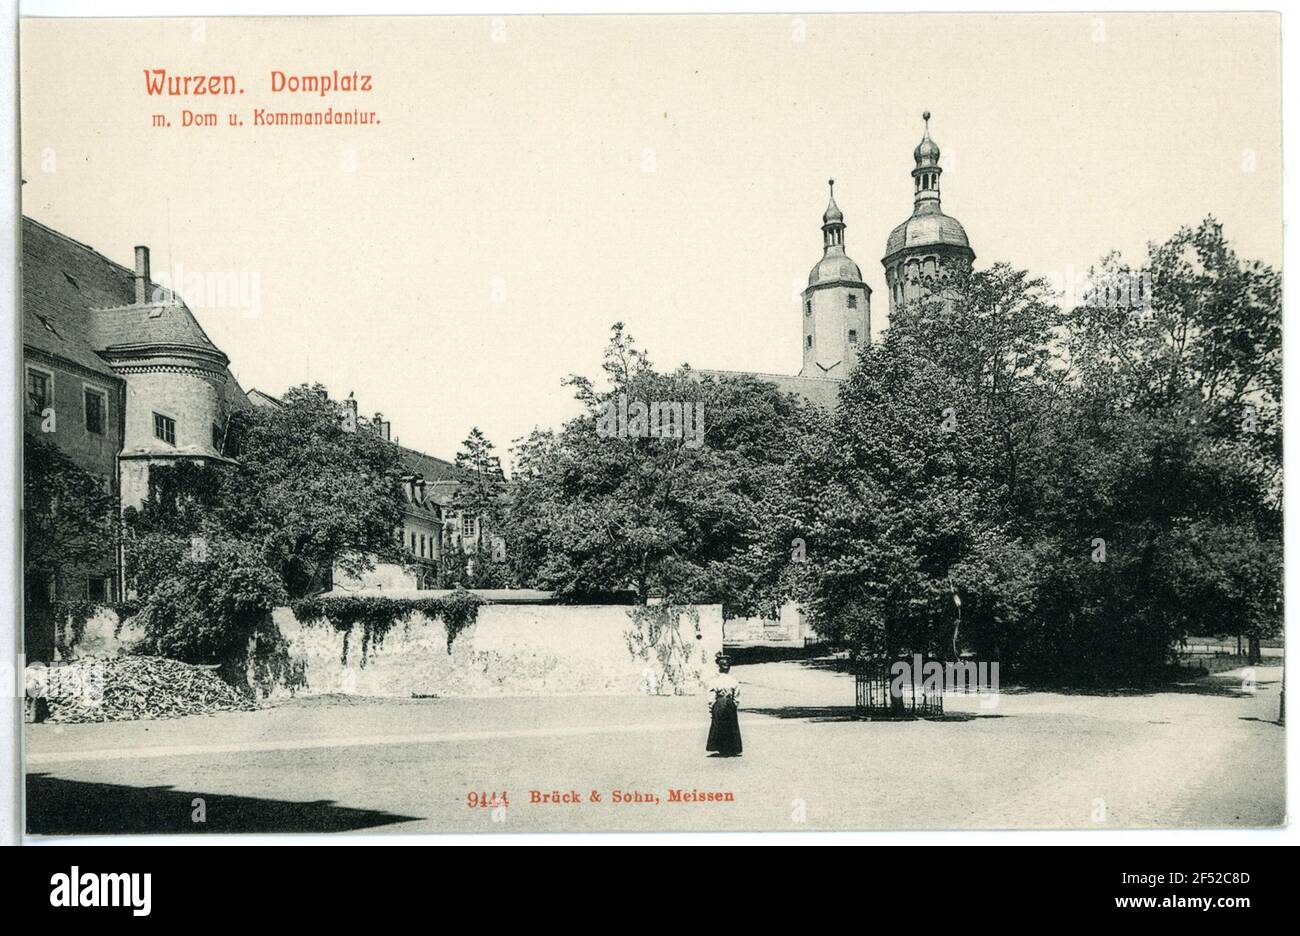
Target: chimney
384, 429
350, 414
142, 280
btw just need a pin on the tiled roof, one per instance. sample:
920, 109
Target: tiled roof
432, 469
78, 304
443, 492
62, 279
134, 326
261, 398
822, 391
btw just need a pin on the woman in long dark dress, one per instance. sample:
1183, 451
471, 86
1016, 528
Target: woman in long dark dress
724, 695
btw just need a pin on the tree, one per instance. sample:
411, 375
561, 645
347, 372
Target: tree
311, 494
478, 495
211, 605
216, 546
1095, 485
657, 488
1179, 389
70, 530
917, 483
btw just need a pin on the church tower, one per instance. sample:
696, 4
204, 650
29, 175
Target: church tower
836, 305
929, 247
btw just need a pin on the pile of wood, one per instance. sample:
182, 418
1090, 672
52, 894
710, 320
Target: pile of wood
140, 687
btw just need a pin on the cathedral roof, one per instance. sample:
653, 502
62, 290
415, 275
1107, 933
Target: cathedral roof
928, 226
833, 214
835, 267
925, 229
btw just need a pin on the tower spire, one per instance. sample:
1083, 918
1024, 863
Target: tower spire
926, 174
833, 223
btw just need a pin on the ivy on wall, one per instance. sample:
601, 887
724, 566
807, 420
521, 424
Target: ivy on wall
656, 632
376, 615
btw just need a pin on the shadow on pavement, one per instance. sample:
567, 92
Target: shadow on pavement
819, 713
1214, 685
843, 713
71, 807
743, 655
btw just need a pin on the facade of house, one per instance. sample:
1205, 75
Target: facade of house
118, 373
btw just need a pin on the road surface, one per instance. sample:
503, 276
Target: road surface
1205, 754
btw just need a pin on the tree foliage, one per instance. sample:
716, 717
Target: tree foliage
1093, 486
595, 510
70, 524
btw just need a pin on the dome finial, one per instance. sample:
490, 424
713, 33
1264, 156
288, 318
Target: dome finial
833, 214
927, 153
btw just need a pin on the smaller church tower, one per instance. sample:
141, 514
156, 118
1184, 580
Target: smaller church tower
836, 305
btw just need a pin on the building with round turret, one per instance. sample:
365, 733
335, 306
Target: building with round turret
930, 247
836, 304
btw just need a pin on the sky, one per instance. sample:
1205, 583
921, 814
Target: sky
533, 180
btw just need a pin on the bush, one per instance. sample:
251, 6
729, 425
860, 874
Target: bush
207, 609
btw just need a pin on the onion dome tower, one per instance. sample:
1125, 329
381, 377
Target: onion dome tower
929, 247
836, 306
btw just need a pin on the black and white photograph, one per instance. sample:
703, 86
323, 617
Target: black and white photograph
769, 422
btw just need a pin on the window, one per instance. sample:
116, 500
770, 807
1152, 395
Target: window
467, 525
808, 341
421, 545
853, 336
218, 439
38, 391
98, 589
164, 427
853, 301
807, 307
95, 406
412, 542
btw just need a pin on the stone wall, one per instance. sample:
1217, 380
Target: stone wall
512, 650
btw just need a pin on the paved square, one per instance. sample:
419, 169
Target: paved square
1204, 754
